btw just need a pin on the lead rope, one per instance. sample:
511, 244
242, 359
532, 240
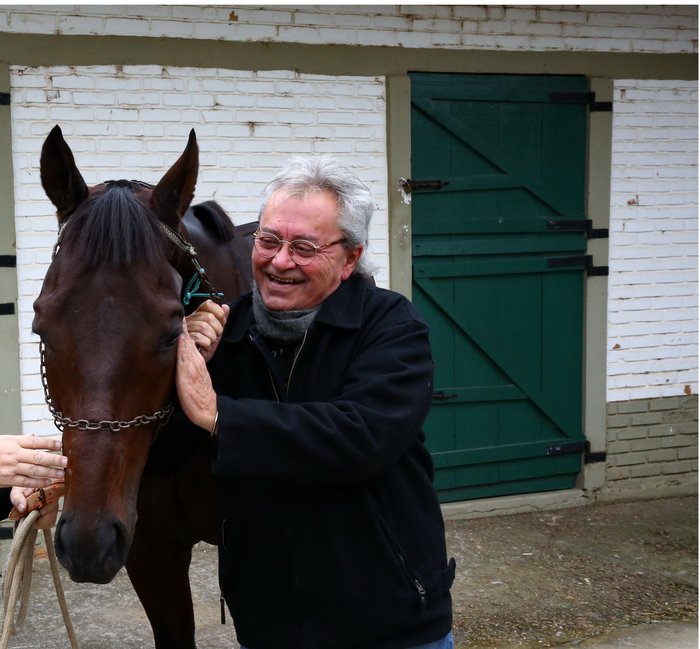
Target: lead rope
18, 579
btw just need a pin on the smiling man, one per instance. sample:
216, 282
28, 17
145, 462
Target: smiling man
315, 392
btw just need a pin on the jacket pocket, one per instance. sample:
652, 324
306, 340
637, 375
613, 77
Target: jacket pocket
413, 578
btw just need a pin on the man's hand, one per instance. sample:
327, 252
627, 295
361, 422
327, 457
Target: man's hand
194, 388
206, 325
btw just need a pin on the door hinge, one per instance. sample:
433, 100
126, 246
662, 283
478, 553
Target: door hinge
4, 98
589, 457
583, 260
8, 261
566, 449
581, 98
7, 308
593, 457
578, 225
409, 185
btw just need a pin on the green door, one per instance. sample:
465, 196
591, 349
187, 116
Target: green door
498, 179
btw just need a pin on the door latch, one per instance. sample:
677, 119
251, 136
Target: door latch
441, 396
409, 185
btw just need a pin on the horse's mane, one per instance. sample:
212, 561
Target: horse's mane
213, 218
115, 228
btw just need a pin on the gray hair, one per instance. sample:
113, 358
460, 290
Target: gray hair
355, 204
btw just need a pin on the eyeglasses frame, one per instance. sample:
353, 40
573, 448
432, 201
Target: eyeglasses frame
291, 250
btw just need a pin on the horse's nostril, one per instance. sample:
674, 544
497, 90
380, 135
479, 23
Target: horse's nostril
63, 557
107, 536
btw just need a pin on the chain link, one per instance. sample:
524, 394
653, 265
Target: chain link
62, 422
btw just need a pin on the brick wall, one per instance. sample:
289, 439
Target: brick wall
653, 287
580, 28
652, 446
652, 367
133, 121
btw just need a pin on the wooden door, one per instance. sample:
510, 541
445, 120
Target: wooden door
498, 169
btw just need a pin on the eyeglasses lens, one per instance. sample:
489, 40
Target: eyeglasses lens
301, 252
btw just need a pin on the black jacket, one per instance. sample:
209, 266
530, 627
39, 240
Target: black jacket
332, 534
5, 504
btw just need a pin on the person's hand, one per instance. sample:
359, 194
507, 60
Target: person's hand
206, 325
26, 462
47, 514
193, 383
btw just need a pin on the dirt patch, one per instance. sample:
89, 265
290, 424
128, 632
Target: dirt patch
550, 578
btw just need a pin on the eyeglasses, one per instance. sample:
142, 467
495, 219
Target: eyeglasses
301, 252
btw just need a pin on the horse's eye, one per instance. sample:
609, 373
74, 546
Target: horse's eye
171, 340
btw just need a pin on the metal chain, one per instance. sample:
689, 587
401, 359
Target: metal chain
62, 422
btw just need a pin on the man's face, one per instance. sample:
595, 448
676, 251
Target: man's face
283, 284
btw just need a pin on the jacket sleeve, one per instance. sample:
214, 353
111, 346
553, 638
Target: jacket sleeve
368, 424
5, 504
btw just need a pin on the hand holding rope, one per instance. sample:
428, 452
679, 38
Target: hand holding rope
18, 571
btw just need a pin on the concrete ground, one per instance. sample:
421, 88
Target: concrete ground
604, 576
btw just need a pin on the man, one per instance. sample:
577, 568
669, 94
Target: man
332, 533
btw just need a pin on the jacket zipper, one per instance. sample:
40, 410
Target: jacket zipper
416, 582
294, 362
297, 580
277, 397
291, 371
272, 383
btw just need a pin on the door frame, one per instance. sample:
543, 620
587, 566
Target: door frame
598, 179
10, 393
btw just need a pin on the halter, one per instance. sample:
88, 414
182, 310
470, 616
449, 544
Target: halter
163, 415
200, 274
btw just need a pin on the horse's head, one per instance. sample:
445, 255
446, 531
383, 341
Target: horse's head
108, 315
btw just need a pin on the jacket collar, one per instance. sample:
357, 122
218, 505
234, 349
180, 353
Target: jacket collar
343, 309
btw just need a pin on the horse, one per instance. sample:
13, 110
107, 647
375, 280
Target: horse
130, 260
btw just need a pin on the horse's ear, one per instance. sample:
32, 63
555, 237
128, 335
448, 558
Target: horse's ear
60, 177
174, 192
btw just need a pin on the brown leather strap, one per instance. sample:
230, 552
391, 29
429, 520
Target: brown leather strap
40, 498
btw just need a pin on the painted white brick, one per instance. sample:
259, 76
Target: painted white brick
652, 300
470, 12
378, 37
559, 15
386, 23
340, 35
359, 20
313, 18
125, 26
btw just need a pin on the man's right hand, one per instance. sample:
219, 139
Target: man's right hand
206, 325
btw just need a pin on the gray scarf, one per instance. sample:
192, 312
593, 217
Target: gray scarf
287, 326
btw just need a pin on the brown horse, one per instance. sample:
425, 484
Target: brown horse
108, 315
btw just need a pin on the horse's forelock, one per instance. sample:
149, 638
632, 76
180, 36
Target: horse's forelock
114, 228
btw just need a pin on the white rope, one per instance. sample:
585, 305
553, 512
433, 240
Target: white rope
18, 580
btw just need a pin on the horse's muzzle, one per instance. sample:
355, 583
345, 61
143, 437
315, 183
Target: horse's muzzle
92, 555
